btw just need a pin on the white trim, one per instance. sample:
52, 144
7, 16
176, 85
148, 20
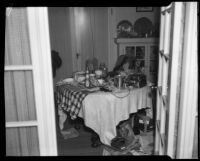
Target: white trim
158, 100
42, 77
21, 124
175, 68
18, 67
166, 48
137, 40
188, 99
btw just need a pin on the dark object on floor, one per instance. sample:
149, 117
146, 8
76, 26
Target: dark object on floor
95, 140
119, 143
136, 129
96, 144
135, 145
145, 123
126, 132
77, 126
149, 126
79, 146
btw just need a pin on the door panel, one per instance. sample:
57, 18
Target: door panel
22, 141
17, 35
19, 96
28, 86
18, 86
91, 35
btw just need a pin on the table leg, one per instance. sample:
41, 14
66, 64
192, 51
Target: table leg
135, 124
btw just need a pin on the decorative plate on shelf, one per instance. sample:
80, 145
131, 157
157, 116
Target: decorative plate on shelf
143, 26
124, 28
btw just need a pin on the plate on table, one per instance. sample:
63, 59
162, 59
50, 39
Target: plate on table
68, 80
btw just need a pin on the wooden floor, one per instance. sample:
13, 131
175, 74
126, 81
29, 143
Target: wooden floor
79, 146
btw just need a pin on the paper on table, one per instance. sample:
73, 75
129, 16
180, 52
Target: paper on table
67, 80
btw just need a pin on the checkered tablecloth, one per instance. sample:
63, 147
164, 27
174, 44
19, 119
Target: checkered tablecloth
69, 98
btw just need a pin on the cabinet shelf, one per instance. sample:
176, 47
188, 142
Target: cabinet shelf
136, 40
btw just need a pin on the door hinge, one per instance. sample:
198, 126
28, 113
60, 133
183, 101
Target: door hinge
167, 10
166, 55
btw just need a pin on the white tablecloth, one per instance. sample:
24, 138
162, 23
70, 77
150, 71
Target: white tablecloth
102, 111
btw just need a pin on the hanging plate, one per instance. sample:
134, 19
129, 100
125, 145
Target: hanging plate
124, 28
143, 26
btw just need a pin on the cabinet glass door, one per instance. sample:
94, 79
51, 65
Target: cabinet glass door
138, 52
130, 50
140, 57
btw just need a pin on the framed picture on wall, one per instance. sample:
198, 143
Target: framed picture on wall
144, 9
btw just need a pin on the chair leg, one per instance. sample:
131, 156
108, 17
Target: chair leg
136, 129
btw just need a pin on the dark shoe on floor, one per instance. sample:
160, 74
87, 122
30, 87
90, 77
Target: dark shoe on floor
96, 144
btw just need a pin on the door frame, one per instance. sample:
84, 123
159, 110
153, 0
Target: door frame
181, 103
38, 27
189, 85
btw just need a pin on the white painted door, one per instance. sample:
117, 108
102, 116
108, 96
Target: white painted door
89, 33
28, 86
163, 74
177, 80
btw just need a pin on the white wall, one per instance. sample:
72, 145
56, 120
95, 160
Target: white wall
59, 22
101, 34
60, 39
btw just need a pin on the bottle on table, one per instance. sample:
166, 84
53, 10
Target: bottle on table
87, 77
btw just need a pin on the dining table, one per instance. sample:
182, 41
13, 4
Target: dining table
101, 110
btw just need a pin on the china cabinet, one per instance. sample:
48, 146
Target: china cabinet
143, 49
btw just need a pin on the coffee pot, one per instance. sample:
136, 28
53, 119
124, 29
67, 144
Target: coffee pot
119, 81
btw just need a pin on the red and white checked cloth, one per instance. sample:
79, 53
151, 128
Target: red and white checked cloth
69, 98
